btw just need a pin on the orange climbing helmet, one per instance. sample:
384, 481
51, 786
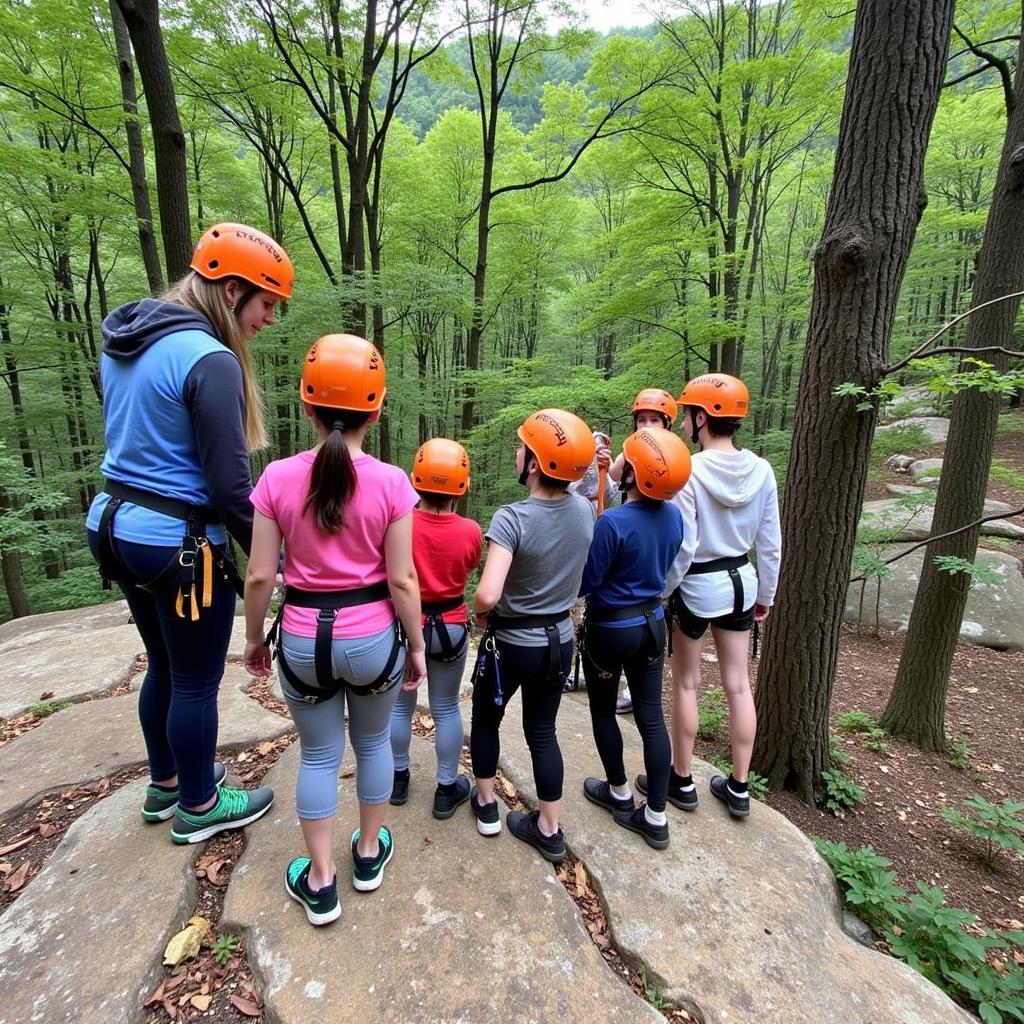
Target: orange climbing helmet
656, 400
343, 371
717, 394
236, 250
441, 466
562, 443
660, 462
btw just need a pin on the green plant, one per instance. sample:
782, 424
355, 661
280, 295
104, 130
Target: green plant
1004, 473
976, 572
855, 721
841, 792
46, 708
897, 441
836, 754
224, 946
757, 784
999, 826
875, 740
869, 889
1010, 423
959, 753
711, 714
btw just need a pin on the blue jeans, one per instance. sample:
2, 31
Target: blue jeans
178, 699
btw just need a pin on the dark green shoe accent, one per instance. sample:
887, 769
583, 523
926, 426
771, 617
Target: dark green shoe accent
321, 907
234, 808
160, 804
368, 872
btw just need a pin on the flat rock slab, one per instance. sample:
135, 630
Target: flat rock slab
93, 739
992, 506
737, 921
464, 928
912, 402
113, 613
70, 659
82, 944
934, 428
900, 520
926, 471
994, 616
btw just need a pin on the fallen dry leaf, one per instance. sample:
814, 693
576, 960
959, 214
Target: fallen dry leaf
16, 845
265, 748
6, 867
14, 881
245, 1006
156, 996
201, 1003
581, 875
47, 829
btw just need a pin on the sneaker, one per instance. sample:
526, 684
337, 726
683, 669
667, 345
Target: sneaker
636, 821
738, 803
400, 787
160, 804
234, 808
488, 821
322, 907
599, 792
683, 797
447, 798
368, 872
525, 827
624, 702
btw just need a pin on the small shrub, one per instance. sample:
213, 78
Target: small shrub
836, 754
875, 740
46, 708
869, 889
841, 792
757, 784
855, 721
224, 946
1004, 473
711, 714
960, 752
897, 441
999, 826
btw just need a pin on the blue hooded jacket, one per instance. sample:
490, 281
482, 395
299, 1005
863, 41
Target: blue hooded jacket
174, 414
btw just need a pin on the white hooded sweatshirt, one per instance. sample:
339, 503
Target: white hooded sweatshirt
729, 505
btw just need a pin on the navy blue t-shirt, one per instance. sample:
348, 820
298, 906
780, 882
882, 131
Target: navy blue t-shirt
633, 548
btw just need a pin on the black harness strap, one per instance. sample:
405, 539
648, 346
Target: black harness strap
549, 623
433, 612
328, 603
600, 615
731, 565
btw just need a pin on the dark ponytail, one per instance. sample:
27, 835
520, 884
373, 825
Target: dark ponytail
333, 480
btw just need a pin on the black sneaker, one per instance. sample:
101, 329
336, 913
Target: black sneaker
738, 803
400, 787
368, 872
636, 821
160, 803
488, 821
447, 798
599, 792
322, 907
683, 797
525, 827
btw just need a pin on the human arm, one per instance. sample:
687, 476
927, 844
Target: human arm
599, 557
404, 586
768, 547
260, 577
492, 581
615, 469
687, 506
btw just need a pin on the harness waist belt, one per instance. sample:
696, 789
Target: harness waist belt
159, 503
336, 598
449, 604
718, 565
629, 611
526, 621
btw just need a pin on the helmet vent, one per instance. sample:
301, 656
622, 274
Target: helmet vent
267, 277
371, 396
310, 390
215, 233
552, 464
213, 264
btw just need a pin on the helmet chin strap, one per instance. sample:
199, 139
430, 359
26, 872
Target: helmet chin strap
627, 480
695, 433
527, 455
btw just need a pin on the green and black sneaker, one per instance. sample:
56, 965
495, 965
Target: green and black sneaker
322, 906
160, 803
234, 808
368, 872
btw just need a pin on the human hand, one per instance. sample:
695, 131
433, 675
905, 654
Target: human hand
415, 669
761, 612
480, 619
256, 659
603, 458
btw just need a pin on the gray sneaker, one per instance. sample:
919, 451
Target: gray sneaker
160, 804
235, 808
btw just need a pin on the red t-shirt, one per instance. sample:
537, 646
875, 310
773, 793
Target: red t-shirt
446, 549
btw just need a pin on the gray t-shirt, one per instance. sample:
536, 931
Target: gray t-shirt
549, 541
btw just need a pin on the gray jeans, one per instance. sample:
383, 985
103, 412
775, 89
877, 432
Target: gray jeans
322, 726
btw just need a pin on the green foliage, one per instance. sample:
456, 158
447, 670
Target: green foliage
49, 707
998, 826
855, 721
224, 946
1010, 423
757, 784
1002, 472
875, 740
836, 755
959, 752
711, 714
869, 889
841, 792
897, 441
976, 572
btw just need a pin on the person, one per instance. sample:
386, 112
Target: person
633, 548
346, 522
181, 412
446, 549
652, 407
590, 484
529, 584
729, 506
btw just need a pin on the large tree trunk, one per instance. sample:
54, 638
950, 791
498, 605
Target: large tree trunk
136, 152
143, 20
917, 706
875, 202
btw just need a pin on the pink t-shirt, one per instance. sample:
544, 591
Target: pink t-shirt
352, 557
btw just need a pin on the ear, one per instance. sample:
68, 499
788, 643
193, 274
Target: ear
231, 291
307, 409
375, 415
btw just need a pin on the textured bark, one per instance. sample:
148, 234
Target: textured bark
917, 706
136, 153
143, 20
875, 202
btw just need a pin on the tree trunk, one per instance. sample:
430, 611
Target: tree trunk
875, 202
917, 706
143, 20
14, 583
136, 152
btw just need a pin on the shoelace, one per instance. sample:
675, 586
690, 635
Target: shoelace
232, 801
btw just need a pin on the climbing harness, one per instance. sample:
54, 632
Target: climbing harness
489, 648
433, 612
601, 615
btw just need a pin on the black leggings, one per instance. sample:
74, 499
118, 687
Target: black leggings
525, 668
608, 651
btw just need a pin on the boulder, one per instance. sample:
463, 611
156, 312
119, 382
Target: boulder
994, 616
902, 521
113, 613
992, 507
926, 471
935, 428
913, 402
